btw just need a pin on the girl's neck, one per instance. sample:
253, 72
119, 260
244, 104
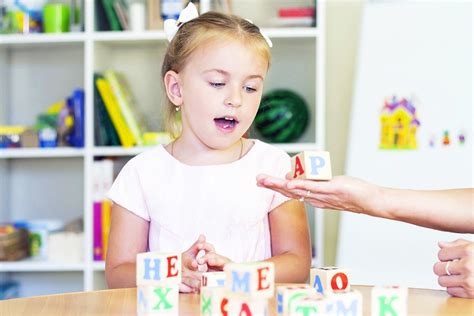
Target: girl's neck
196, 154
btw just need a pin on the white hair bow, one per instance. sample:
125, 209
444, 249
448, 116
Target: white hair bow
265, 36
171, 26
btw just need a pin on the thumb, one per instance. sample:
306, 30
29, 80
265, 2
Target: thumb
289, 176
198, 245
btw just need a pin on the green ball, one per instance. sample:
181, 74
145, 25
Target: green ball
282, 116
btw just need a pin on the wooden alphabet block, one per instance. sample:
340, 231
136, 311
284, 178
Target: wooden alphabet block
327, 280
213, 300
157, 300
389, 300
213, 279
345, 303
314, 305
240, 305
155, 268
256, 279
288, 294
312, 165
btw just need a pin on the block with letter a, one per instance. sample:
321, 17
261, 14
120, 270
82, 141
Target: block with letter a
389, 300
256, 280
328, 280
311, 165
155, 268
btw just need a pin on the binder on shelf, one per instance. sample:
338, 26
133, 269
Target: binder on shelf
104, 132
112, 18
126, 104
123, 131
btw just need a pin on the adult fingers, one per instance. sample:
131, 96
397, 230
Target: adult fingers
451, 280
456, 252
454, 267
458, 291
457, 242
183, 288
192, 283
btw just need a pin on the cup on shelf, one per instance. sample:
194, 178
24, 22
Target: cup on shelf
56, 18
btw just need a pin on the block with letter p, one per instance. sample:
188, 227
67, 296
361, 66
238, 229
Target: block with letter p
311, 165
389, 300
158, 268
256, 279
327, 280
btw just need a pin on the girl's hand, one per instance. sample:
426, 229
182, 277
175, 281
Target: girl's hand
458, 277
214, 261
191, 274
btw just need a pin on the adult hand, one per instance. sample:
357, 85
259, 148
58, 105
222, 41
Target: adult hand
456, 267
214, 261
191, 274
340, 193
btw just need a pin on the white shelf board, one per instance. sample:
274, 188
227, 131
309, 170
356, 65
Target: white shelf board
41, 38
133, 151
41, 152
291, 32
119, 151
98, 265
30, 265
128, 36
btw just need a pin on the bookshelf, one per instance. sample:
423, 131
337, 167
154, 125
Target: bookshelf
40, 69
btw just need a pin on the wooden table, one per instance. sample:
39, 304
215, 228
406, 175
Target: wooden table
123, 302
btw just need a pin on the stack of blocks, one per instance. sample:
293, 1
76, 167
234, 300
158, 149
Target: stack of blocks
158, 279
246, 289
329, 293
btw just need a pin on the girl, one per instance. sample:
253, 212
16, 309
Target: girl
200, 190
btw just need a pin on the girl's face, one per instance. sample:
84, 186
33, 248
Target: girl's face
221, 87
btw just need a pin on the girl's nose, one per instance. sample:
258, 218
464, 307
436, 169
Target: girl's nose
234, 100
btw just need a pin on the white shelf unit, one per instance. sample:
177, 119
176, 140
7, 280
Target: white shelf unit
40, 69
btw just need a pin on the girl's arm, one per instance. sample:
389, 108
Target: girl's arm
128, 236
291, 247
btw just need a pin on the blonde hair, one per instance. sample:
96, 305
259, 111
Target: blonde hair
206, 28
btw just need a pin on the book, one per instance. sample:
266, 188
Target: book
123, 131
124, 98
105, 226
101, 17
111, 15
77, 103
97, 232
104, 132
154, 22
121, 12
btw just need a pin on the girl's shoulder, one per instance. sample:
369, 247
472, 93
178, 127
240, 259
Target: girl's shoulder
263, 149
153, 156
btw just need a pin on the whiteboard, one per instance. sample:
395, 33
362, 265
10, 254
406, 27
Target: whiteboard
421, 50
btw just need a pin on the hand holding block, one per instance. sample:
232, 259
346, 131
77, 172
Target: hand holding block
155, 268
311, 165
389, 300
288, 294
213, 279
157, 300
328, 280
256, 279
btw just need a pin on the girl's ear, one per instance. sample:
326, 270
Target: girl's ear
173, 88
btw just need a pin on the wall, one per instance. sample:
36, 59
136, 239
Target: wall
343, 19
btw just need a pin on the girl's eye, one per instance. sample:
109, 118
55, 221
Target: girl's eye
217, 84
250, 89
